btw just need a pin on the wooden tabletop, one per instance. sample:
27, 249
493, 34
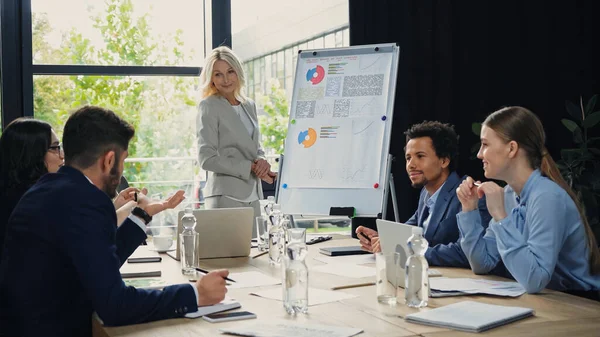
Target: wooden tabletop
556, 313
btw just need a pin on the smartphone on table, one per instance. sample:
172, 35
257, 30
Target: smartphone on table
228, 316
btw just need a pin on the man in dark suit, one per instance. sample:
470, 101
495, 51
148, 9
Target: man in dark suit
62, 254
431, 154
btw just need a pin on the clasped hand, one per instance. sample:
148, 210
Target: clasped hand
262, 169
469, 192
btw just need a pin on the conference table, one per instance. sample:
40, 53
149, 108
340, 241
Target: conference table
556, 313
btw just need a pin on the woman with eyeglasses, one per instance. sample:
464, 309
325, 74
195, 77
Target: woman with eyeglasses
29, 148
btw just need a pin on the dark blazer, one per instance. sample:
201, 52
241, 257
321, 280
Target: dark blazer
442, 231
61, 262
8, 200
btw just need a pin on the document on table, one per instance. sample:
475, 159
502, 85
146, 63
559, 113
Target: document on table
346, 270
475, 286
348, 259
251, 279
292, 330
470, 316
315, 296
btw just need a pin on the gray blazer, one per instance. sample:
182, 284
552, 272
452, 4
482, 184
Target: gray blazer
225, 149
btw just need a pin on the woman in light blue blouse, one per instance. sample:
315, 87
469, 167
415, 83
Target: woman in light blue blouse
538, 228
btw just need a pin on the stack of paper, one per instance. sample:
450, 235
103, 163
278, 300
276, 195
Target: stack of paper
470, 316
444, 286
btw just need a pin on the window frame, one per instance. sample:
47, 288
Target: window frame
18, 70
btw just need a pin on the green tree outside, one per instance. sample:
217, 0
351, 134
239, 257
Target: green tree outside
162, 109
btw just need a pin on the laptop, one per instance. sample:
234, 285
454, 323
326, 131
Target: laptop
393, 237
224, 232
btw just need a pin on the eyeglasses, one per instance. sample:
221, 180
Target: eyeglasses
57, 148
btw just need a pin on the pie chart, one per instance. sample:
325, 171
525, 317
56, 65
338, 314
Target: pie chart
307, 137
315, 75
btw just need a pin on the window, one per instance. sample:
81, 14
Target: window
162, 110
330, 40
134, 57
339, 39
118, 32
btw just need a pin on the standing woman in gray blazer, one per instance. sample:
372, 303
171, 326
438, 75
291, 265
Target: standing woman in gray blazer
228, 136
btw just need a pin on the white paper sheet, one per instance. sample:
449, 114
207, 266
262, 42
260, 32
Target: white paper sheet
349, 259
292, 330
477, 286
315, 296
346, 270
335, 153
251, 279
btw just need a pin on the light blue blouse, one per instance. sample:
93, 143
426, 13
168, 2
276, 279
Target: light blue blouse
542, 241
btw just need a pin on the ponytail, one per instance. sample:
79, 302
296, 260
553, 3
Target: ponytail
550, 170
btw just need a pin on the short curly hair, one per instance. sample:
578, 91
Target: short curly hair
443, 138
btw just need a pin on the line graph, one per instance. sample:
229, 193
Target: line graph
373, 64
364, 129
369, 107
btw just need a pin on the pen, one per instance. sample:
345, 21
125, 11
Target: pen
135, 196
206, 272
364, 236
366, 284
260, 254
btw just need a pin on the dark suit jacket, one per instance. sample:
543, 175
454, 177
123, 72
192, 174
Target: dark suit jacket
8, 201
442, 231
61, 262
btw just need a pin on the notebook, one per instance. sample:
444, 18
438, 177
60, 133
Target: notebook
226, 304
470, 316
339, 251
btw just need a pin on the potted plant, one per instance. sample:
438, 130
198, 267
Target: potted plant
580, 165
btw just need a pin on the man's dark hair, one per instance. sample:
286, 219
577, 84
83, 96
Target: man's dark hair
92, 131
443, 137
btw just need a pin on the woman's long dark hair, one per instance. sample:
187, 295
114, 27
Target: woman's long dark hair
23, 147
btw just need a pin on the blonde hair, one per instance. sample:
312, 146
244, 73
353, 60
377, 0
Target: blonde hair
223, 53
524, 127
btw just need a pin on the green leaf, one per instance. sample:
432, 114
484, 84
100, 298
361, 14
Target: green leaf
570, 156
591, 120
592, 139
578, 136
476, 128
573, 110
594, 150
569, 124
591, 104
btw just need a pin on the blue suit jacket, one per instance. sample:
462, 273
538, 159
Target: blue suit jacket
61, 262
442, 232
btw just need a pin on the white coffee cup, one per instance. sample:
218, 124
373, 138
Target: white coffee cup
162, 242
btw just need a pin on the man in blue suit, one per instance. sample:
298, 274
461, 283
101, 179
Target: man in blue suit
62, 252
431, 155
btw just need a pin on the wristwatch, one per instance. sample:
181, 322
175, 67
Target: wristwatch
139, 212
